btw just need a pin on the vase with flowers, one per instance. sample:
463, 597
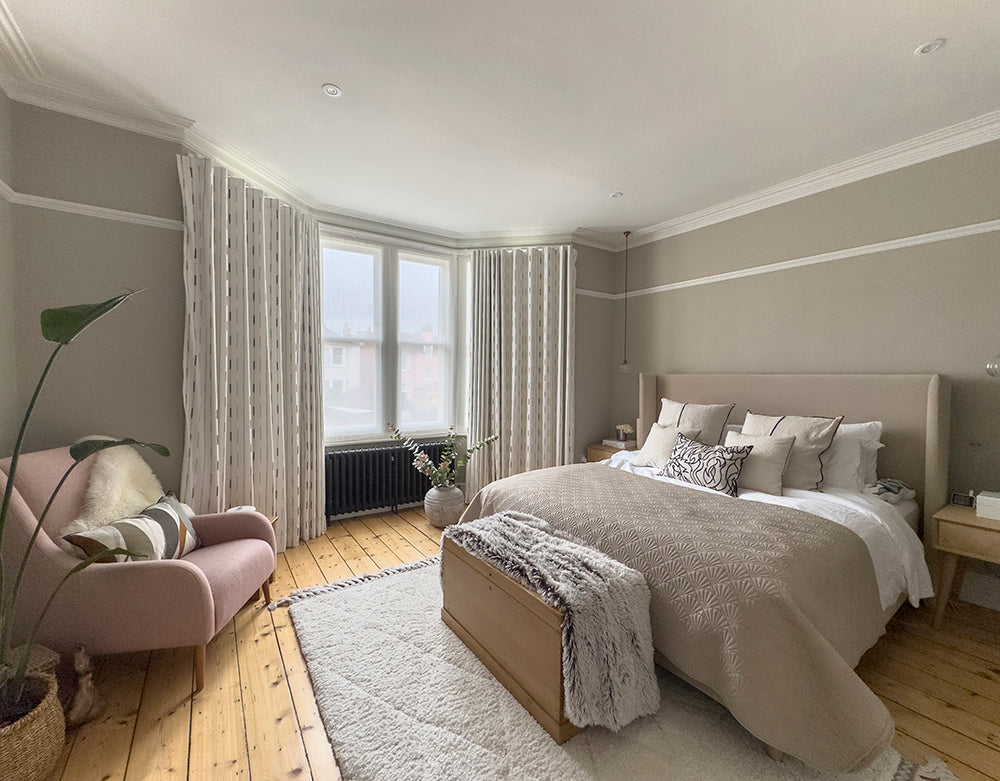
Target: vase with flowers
624, 429
444, 502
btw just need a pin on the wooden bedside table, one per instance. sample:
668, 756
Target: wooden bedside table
961, 533
599, 452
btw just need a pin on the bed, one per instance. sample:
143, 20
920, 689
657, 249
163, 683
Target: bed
764, 607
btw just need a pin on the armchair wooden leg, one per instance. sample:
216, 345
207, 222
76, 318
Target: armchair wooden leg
199, 668
267, 592
774, 753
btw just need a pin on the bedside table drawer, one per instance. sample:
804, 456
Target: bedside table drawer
971, 540
599, 452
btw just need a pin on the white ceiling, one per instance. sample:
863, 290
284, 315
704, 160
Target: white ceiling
479, 116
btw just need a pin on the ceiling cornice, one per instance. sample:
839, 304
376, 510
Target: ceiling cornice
24, 80
56, 96
963, 135
367, 226
14, 47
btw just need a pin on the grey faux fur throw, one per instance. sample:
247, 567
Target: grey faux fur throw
607, 641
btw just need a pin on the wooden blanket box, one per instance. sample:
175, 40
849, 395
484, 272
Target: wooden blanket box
516, 634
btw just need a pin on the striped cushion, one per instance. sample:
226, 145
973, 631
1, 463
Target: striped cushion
161, 531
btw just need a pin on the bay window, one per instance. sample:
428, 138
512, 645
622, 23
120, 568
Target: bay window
391, 323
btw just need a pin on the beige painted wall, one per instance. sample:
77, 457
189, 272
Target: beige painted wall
123, 375
594, 320
8, 319
6, 147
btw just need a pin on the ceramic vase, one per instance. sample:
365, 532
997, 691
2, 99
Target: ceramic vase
443, 506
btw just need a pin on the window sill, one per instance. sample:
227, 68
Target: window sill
353, 443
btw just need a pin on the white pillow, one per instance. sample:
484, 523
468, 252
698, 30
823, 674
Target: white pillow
813, 436
709, 419
659, 445
851, 461
764, 466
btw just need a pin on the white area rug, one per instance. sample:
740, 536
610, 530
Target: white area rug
403, 699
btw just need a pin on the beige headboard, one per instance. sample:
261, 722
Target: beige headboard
915, 408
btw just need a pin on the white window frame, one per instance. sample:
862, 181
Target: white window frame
388, 368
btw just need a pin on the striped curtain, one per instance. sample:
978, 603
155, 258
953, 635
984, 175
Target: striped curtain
252, 386
521, 360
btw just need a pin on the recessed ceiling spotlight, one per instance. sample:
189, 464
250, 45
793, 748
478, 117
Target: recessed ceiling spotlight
617, 194
930, 46
332, 90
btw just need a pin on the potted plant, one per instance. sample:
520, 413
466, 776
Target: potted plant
444, 502
32, 727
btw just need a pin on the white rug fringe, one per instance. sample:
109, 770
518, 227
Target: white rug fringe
934, 770
304, 593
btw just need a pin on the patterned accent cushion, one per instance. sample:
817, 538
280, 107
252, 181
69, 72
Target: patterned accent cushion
711, 466
161, 531
659, 445
764, 467
812, 439
710, 419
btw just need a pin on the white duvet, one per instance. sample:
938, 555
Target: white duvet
896, 552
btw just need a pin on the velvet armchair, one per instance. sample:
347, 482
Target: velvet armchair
131, 605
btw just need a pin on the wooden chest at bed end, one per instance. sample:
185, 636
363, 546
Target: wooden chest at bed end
511, 630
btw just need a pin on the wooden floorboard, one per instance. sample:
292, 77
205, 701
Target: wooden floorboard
257, 717
218, 729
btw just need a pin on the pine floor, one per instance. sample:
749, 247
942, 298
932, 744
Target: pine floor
257, 719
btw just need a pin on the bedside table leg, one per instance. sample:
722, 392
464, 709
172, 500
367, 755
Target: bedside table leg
949, 563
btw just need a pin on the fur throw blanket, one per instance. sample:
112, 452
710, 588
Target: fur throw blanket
121, 484
608, 672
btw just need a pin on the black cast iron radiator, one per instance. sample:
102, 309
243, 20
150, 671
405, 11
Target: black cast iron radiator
374, 478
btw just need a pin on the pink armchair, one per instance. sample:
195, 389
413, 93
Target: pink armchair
131, 605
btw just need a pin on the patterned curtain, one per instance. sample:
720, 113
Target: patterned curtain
521, 360
252, 390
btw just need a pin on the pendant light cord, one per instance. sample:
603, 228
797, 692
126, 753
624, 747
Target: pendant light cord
625, 313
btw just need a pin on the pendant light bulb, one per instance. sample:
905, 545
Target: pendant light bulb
993, 367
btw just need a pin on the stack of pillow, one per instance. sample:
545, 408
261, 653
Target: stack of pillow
766, 454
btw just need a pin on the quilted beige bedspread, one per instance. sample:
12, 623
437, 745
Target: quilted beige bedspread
765, 608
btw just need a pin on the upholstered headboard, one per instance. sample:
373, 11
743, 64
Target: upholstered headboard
914, 408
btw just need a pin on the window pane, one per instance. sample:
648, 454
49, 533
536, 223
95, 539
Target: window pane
351, 340
423, 385
423, 359
422, 301
349, 388
349, 292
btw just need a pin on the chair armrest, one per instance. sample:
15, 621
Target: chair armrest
214, 528
132, 605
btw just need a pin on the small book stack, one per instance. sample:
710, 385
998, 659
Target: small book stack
628, 444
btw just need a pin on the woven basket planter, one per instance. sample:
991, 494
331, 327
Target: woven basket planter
30, 747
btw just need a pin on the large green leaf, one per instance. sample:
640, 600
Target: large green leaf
63, 324
88, 447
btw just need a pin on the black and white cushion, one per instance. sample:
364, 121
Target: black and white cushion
710, 466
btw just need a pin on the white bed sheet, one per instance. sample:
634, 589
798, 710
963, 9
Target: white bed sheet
896, 552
